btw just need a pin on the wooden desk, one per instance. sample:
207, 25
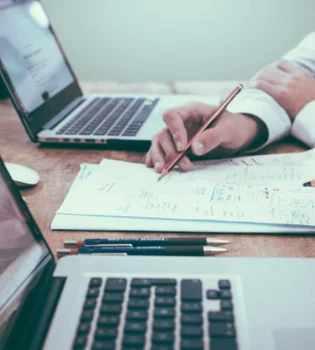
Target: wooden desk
58, 168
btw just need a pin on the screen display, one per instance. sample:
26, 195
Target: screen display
20, 253
30, 55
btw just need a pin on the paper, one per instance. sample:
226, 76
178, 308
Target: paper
272, 195
96, 222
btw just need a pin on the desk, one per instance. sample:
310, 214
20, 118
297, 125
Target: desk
58, 168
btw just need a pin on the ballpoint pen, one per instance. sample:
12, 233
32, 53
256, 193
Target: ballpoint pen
157, 250
179, 241
206, 124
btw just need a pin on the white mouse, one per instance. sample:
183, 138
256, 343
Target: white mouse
22, 175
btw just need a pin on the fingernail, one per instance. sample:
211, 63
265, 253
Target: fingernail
179, 145
198, 147
157, 166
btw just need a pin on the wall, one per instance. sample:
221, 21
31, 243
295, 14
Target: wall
169, 40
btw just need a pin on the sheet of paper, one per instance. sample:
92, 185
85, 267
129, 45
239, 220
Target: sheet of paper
95, 222
240, 194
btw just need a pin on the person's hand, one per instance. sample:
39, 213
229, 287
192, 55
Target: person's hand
286, 83
230, 133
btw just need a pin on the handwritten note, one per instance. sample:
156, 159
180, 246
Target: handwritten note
269, 194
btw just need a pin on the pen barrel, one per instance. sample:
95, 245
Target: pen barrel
158, 250
147, 242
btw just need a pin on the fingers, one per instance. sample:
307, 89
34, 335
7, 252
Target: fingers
162, 151
269, 88
287, 66
175, 119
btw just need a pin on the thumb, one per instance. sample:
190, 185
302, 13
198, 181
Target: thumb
207, 141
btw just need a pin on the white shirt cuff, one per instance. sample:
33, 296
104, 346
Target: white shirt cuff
303, 127
265, 108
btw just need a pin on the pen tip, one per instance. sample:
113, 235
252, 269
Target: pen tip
164, 172
307, 184
213, 250
217, 241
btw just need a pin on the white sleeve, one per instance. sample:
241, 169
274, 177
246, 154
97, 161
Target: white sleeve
262, 106
303, 127
304, 54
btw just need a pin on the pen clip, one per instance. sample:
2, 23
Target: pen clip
123, 245
107, 254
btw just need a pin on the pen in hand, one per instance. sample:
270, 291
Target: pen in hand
169, 166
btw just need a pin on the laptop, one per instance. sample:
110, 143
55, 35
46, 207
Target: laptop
142, 302
47, 96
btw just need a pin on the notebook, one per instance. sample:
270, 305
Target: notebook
244, 194
144, 302
47, 97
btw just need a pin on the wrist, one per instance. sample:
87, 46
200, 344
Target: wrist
257, 131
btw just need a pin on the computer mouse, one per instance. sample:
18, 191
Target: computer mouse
22, 175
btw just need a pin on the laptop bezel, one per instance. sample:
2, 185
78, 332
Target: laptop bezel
34, 122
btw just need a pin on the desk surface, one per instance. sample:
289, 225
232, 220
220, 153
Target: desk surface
58, 168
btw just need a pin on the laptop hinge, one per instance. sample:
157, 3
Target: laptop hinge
64, 113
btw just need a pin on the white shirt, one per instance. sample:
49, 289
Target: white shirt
264, 107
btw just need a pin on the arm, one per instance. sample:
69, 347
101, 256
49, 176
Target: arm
291, 83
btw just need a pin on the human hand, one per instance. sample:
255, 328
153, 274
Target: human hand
230, 133
286, 83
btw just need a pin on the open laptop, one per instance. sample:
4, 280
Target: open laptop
47, 96
124, 302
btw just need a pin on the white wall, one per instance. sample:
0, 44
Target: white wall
168, 40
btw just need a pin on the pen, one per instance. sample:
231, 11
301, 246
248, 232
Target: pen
309, 183
169, 166
157, 250
201, 241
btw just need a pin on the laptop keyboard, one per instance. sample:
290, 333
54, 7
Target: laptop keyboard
110, 116
157, 314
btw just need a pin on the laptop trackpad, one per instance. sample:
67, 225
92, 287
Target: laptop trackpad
294, 338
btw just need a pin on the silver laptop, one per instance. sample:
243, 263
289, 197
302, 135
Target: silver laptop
124, 302
47, 96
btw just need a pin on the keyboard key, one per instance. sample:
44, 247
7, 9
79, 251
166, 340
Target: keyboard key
163, 337
191, 290
108, 321
148, 282
191, 318
103, 345
89, 304
92, 292
222, 329
224, 284
95, 282
133, 340
113, 298
162, 347
165, 291
137, 315
226, 305
163, 312
223, 343
84, 328
110, 309
80, 342
213, 294
194, 344
165, 301
191, 307
117, 285
139, 292
160, 324
225, 294
191, 331
105, 333
87, 315
135, 327
220, 316
138, 303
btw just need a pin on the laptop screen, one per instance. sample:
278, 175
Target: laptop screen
31, 60
22, 249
